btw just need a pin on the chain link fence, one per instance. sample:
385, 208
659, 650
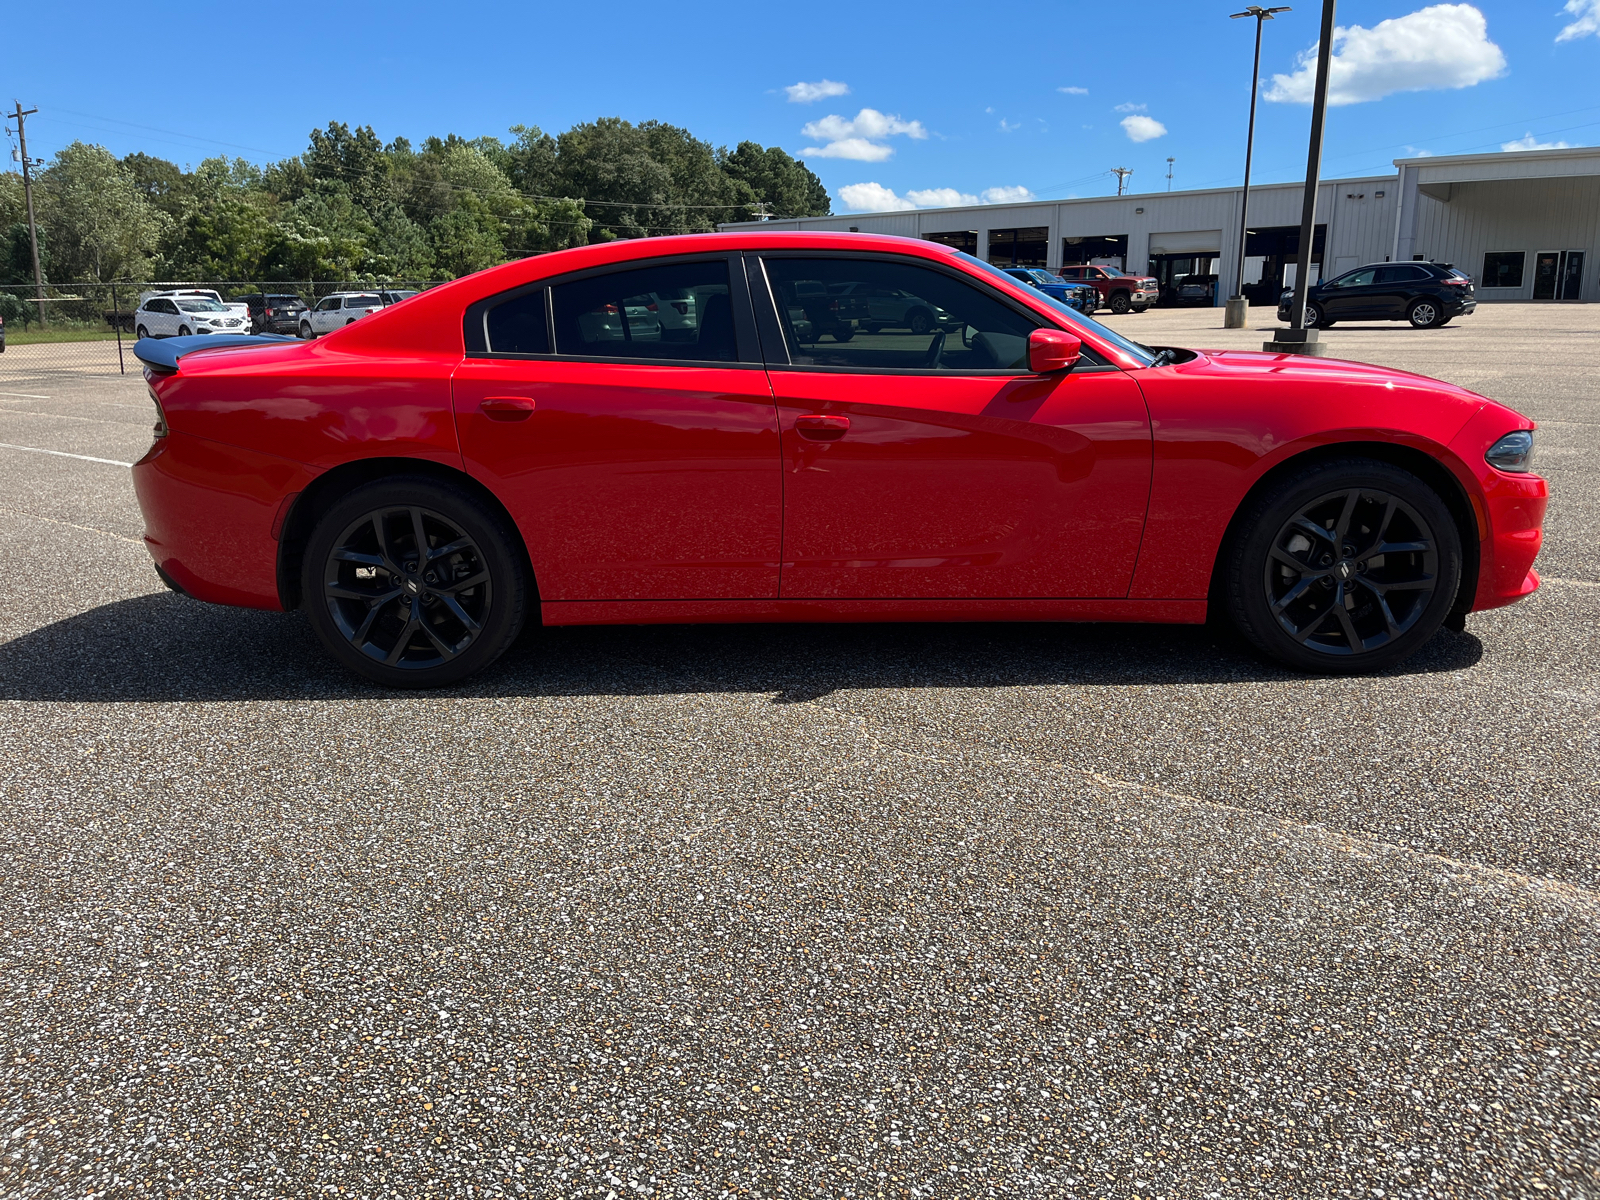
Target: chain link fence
88, 329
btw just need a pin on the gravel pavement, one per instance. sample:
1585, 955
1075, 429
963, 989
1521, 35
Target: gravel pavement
943, 911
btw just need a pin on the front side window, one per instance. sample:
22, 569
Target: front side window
681, 311
1359, 278
896, 316
1503, 268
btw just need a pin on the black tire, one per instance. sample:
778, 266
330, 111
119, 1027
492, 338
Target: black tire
351, 321
1315, 318
183, 331
365, 544
921, 321
1308, 543
843, 333
305, 331
142, 332
1120, 303
1139, 308
1425, 314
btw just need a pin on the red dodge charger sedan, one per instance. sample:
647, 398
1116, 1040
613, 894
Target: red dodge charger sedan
815, 427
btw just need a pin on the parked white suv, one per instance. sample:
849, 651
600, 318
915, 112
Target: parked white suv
238, 310
182, 316
337, 311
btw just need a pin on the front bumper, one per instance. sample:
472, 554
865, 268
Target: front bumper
1509, 511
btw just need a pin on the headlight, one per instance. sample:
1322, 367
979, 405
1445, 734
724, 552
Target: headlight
1514, 452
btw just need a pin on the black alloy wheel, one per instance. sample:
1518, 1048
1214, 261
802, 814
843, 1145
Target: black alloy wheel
1120, 303
413, 583
1425, 314
1344, 567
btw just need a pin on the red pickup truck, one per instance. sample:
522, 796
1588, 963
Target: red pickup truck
1119, 291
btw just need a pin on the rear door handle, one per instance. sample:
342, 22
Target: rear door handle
822, 427
507, 408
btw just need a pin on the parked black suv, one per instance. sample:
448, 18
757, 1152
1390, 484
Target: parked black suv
272, 313
1424, 293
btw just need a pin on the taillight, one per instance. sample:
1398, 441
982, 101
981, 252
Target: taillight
833, 306
1458, 283
650, 308
160, 429
610, 310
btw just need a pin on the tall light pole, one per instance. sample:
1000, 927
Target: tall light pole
1237, 304
1170, 161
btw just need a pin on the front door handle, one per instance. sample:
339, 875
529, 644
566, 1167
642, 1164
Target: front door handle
507, 408
822, 427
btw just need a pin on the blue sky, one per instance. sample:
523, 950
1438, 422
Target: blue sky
927, 104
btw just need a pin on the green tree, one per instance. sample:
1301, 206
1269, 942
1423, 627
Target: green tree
784, 184
646, 179
224, 224
102, 226
161, 182
355, 159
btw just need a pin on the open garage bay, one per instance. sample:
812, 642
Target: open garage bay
849, 911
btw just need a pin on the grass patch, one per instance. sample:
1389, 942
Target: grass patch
35, 336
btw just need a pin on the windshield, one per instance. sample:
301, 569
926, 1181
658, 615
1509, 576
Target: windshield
202, 306
1141, 354
1114, 273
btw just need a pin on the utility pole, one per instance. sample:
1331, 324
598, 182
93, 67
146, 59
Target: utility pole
1170, 161
1297, 339
1238, 306
27, 191
1122, 174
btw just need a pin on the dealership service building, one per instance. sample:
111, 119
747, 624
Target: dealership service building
1524, 224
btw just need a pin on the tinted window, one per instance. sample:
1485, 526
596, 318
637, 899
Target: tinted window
1503, 268
361, 301
1356, 278
1402, 274
674, 311
898, 317
518, 326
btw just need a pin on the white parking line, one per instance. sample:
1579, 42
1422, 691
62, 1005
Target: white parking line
110, 462
86, 528
25, 395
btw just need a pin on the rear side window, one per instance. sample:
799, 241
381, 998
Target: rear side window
899, 317
518, 325
677, 311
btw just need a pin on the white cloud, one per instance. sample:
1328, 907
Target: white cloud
1441, 46
805, 93
858, 149
874, 197
1130, 108
1006, 195
1142, 129
1588, 14
1073, 91
861, 139
1529, 142
1009, 126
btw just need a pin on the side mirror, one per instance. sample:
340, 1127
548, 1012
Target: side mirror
1052, 350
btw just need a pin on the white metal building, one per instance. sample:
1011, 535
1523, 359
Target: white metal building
1525, 225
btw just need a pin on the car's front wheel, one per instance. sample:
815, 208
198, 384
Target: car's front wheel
141, 332
921, 321
1120, 303
1315, 319
1425, 314
413, 582
183, 331
1345, 566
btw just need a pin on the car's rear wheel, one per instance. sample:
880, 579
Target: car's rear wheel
1120, 303
1343, 567
1425, 314
414, 583
141, 332
305, 331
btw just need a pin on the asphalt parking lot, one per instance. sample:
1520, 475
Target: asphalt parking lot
834, 911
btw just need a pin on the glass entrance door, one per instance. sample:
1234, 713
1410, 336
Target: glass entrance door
1572, 275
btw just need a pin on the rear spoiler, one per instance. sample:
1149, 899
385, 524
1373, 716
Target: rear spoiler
161, 355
